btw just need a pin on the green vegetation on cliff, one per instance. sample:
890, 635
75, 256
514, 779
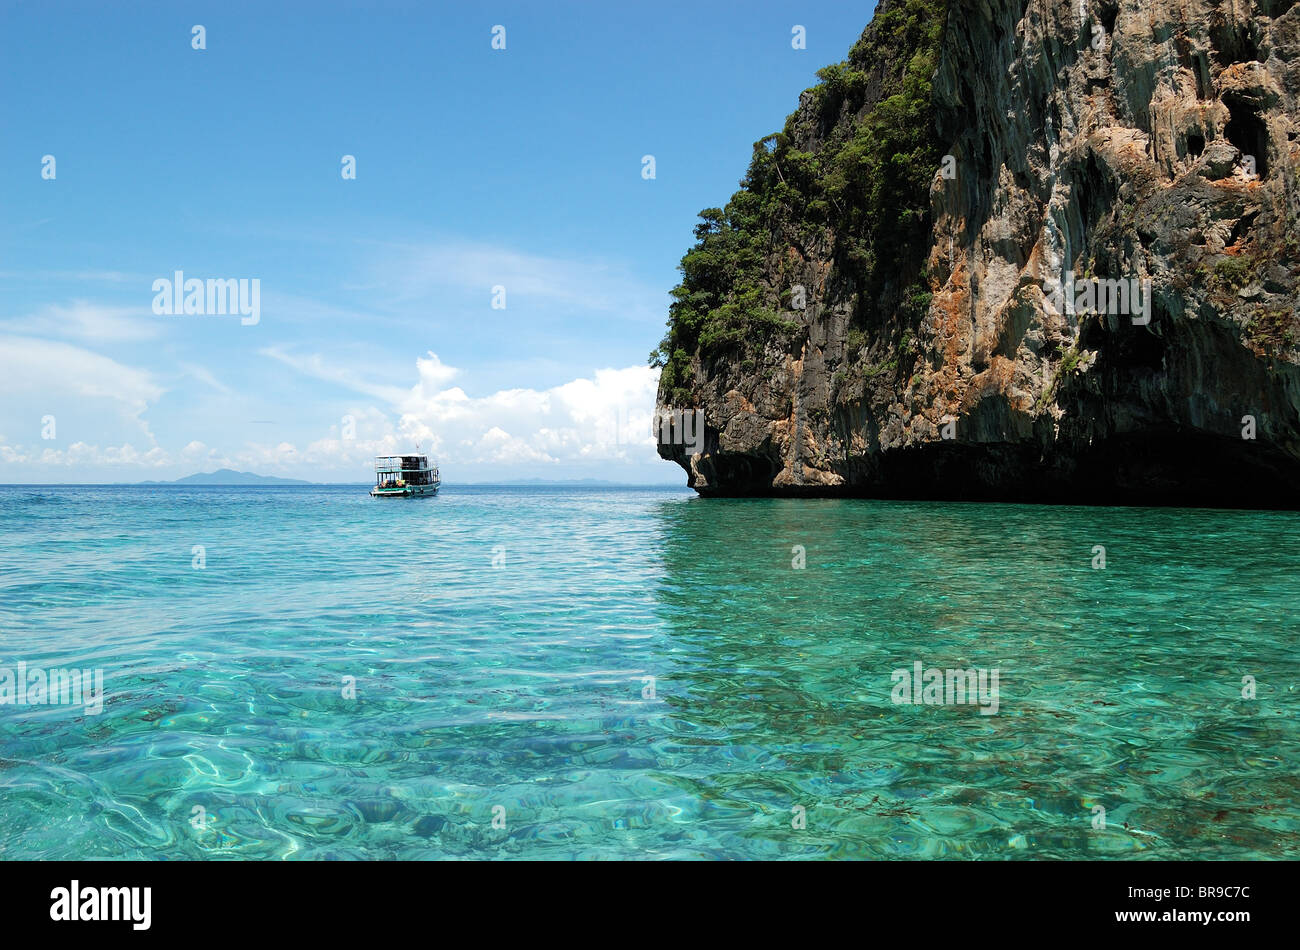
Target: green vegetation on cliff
850, 172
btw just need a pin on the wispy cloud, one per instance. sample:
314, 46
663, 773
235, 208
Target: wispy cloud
88, 322
33, 366
320, 367
587, 284
205, 376
54, 395
98, 276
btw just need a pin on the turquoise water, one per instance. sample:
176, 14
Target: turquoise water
503, 711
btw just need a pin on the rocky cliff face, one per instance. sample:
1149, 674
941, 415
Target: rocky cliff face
1012, 249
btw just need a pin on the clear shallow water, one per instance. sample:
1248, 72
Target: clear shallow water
521, 686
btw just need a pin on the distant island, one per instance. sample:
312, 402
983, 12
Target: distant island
228, 476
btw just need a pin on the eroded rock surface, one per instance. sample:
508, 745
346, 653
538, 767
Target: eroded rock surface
1146, 144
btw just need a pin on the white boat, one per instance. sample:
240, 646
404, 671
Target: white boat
404, 476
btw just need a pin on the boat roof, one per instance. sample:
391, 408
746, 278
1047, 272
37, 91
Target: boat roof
402, 461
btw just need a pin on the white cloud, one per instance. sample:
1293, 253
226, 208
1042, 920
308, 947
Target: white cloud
433, 373
605, 416
59, 403
82, 455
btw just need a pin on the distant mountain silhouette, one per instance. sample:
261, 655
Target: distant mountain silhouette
228, 476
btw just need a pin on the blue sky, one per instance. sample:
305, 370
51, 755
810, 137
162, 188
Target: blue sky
475, 168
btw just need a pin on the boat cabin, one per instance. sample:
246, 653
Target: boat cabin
404, 475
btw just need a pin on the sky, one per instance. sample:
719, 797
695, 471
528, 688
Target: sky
487, 286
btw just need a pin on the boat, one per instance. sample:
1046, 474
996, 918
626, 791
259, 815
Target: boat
404, 476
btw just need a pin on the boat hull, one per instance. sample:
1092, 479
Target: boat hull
408, 491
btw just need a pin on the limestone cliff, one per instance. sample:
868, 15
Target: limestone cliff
899, 301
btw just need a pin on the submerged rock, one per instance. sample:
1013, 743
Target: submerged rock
430, 825
1011, 249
